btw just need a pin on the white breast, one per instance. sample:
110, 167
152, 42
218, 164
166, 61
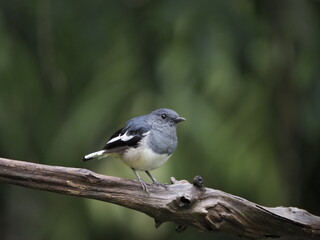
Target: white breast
143, 159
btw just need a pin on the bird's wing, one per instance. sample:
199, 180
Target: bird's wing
124, 138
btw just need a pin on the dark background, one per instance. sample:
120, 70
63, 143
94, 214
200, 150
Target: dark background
245, 74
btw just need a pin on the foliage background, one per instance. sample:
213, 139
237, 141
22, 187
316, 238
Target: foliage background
245, 74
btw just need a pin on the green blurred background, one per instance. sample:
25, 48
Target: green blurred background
245, 74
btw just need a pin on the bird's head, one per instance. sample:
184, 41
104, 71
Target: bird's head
166, 116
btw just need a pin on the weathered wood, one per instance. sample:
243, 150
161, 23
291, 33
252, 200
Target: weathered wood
182, 202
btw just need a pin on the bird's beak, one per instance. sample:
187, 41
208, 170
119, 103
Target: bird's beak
179, 119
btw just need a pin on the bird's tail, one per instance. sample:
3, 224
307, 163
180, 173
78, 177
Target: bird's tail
95, 155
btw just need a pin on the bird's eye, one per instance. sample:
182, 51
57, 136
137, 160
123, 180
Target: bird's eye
163, 116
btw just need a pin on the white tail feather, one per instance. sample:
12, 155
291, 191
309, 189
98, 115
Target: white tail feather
94, 155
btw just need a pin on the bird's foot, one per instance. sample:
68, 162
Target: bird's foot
155, 182
160, 185
144, 187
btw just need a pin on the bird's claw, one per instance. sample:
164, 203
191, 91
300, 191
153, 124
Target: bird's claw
160, 185
144, 187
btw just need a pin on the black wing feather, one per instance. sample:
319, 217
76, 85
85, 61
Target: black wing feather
120, 145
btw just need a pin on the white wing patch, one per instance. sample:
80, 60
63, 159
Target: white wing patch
125, 137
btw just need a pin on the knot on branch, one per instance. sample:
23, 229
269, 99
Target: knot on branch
199, 183
188, 198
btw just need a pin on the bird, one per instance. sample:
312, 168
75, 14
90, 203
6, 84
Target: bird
144, 144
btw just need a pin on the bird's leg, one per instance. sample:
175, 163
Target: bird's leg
143, 184
155, 180
152, 178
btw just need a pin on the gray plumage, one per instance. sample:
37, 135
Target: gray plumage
145, 143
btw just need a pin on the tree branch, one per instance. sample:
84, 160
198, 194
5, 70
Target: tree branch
183, 203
